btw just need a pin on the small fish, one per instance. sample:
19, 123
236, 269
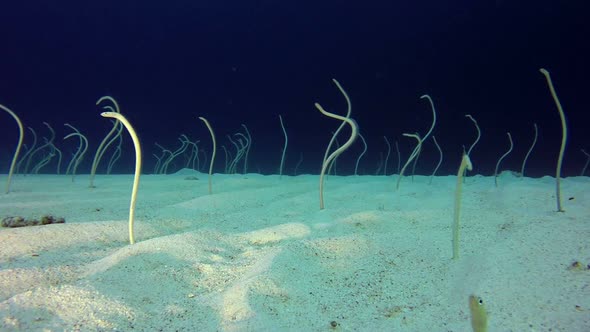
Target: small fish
479, 317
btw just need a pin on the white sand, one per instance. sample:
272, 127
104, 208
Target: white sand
259, 255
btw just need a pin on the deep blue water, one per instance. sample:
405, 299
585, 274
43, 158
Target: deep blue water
235, 62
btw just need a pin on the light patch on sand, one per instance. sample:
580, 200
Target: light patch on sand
338, 252
232, 304
63, 307
277, 233
363, 217
183, 246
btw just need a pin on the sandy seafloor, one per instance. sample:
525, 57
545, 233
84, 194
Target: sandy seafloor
259, 255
